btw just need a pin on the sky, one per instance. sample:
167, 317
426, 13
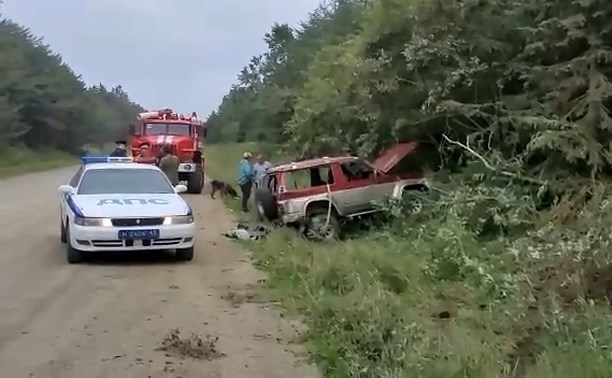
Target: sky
183, 54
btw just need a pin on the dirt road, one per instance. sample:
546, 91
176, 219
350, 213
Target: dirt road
108, 318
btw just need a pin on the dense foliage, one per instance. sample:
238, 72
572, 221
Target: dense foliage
44, 105
527, 81
507, 273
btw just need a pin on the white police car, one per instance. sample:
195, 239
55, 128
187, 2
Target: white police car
114, 204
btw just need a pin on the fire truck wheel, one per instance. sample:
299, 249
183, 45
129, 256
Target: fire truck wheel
266, 205
195, 181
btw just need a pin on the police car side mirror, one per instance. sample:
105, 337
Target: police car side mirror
180, 189
66, 189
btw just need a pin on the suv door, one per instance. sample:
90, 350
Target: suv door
359, 191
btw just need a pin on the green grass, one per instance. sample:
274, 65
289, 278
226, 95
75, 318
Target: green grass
15, 161
222, 163
427, 297
222, 159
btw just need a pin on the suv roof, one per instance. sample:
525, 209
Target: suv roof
384, 163
311, 163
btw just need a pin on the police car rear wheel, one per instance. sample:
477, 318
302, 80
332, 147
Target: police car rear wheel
185, 254
72, 255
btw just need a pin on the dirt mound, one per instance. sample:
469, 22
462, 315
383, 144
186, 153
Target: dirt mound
598, 282
195, 346
569, 281
574, 280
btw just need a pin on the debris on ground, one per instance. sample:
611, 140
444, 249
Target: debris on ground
113, 357
195, 346
248, 294
245, 231
236, 298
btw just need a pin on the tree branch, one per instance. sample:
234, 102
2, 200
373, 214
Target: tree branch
488, 165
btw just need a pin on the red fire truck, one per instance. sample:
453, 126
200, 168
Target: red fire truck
185, 135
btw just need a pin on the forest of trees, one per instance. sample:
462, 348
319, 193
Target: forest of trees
528, 82
514, 96
45, 105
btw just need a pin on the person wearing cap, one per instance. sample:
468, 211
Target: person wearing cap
145, 155
246, 174
120, 149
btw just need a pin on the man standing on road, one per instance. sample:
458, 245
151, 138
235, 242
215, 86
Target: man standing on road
260, 167
120, 149
169, 164
83, 150
145, 155
245, 179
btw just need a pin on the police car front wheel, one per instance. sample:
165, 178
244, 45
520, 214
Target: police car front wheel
185, 254
62, 232
72, 255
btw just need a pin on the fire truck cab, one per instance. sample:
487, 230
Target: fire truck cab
185, 135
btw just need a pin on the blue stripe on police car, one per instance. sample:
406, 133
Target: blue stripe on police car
73, 206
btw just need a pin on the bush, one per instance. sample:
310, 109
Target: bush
478, 285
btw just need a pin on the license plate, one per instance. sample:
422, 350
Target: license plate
138, 234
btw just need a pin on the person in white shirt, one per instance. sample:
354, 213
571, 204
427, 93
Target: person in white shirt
260, 167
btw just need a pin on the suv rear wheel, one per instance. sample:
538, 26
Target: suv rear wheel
318, 227
266, 205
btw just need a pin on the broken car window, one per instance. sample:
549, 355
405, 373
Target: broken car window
308, 178
299, 179
357, 170
320, 176
271, 184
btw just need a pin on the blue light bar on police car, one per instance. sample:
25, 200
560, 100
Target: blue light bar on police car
106, 159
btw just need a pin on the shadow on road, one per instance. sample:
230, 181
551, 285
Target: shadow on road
131, 258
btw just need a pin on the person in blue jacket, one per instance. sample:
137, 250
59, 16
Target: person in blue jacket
246, 175
120, 149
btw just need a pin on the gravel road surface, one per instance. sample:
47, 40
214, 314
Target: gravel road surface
110, 317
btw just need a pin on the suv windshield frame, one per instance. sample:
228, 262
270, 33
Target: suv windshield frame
132, 177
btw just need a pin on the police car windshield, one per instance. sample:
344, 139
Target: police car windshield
131, 181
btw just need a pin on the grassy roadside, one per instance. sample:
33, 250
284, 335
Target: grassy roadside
222, 163
16, 161
429, 297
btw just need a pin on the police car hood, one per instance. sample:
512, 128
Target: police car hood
131, 205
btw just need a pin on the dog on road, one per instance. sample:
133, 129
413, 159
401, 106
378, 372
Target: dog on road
222, 187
